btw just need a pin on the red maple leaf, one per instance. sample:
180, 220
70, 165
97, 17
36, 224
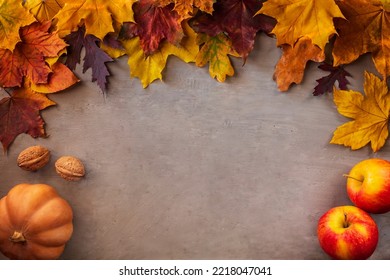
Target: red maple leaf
154, 24
237, 18
19, 113
28, 58
326, 83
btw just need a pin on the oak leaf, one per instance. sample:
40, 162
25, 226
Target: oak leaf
370, 114
99, 16
149, 68
326, 83
291, 66
44, 10
20, 113
367, 29
155, 24
13, 16
28, 58
185, 8
298, 18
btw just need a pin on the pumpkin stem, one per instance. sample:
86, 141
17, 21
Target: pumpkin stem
17, 237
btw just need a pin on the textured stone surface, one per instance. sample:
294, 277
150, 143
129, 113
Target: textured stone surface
190, 168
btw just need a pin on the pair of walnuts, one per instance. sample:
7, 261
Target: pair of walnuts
35, 157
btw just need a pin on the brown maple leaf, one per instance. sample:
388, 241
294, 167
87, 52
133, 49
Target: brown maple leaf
28, 58
367, 29
19, 113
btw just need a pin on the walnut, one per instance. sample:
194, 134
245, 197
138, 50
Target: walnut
70, 168
33, 158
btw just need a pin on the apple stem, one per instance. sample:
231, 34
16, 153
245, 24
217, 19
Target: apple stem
346, 224
350, 177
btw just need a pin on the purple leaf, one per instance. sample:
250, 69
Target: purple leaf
326, 83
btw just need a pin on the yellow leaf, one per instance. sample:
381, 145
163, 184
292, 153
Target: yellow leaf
215, 51
291, 66
149, 68
298, 18
97, 15
44, 10
367, 29
13, 16
370, 114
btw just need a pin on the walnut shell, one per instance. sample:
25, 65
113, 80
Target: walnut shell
33, 158
70, 168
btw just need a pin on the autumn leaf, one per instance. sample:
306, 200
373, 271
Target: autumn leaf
326, 84
155, 24
28, 58
185, 8
367, 29
239, 20
149, 68
20, 113
13, 16
370, 114
291, 66
44, 10
95, 58
298, 18
99, 16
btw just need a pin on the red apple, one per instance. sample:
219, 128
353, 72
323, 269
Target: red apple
368, 185
347, 233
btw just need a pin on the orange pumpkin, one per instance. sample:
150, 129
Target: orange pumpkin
35, 222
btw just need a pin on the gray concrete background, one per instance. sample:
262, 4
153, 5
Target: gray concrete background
190, 168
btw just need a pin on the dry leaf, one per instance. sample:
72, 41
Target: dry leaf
44, 10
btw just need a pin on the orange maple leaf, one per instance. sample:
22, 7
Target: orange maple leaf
185, 8
28, 58
291, 66
44, 10
367, 29
19, 113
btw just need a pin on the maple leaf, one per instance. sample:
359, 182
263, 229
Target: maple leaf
99, 16
20, 113
95, 58
185, 8
44, 10
149, 68
291, 66
326, 84
298, 18
215, 51
367, 29
154, 24
239, 20
28, 58
13, 16
370, 114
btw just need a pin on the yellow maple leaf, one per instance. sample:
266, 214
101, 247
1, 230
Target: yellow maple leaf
291, 66
149, 68
370, 113
44, 10
298, 18
367, 29
185, 8
99, 16
215, 51
13, 16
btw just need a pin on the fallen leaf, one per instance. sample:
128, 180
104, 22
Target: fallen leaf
28, 58
44, 10
98, 16
13, 16
326, 84
370, 113
20, 113
155, 24
149, 68
291, 66
239, 20
215, 51
367, 29
185, 8
298, 18
95, 58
